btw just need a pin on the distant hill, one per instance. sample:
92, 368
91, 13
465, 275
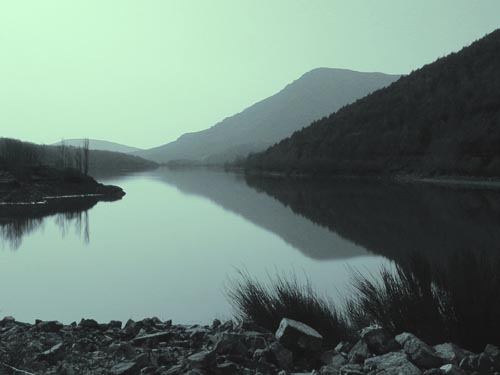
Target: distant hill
441, 119
96, 144
315, 94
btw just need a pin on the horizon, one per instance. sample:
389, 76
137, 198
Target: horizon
124, 78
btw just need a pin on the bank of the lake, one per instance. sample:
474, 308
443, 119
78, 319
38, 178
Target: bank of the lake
41, 185
153, 346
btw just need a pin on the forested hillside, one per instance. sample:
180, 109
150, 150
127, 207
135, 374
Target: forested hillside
441, 119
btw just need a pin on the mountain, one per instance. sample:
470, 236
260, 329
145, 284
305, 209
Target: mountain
442, 119
315, 94
96, 144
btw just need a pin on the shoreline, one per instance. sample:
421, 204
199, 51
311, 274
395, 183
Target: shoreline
152, 346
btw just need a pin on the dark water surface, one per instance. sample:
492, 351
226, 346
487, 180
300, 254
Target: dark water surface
168, 248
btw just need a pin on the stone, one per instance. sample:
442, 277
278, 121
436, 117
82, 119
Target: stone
54, 354
281, 355
450, 353
359, 352
418, 351
230, 344
227, 368
333, 359
391, 364
203, 359
49, 326
298, 336
152, 338
379, 340
493, 352
351, 369
451, 369
89, 324
477, 362
216, 323
125, 368
343, 347
115, 324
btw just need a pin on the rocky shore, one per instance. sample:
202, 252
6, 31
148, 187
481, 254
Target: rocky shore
41, 185
152, 346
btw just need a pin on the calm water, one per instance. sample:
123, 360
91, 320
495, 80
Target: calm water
170, 246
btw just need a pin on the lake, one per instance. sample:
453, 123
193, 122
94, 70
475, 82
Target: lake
170, 247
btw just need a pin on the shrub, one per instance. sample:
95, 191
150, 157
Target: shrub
267, 304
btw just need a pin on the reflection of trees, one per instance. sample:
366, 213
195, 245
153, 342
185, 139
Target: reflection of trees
20, 221
395, 220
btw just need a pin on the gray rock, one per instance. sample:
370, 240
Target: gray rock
227, 368
394, 363
450, 353
343, 347
295, 335
451, 369
115, 324
359, 352
379, 340
54, 354
49, 326
230, 344
281, 355
331, 357
89, 324
493, 352
152, 338
481, 363
125, 368
419, 352
351, 369
203, 359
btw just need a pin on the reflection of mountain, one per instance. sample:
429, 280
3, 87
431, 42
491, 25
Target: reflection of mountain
232, 193
19, 221
395, 220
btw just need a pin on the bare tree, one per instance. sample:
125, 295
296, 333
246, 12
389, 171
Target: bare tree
86, 154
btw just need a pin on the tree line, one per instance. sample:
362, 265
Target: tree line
14, 153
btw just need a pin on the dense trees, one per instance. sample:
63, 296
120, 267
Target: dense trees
441, 119
15, 153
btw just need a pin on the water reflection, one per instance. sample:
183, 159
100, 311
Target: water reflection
395, 220
234, 194
17, 222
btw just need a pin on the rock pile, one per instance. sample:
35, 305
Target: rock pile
152, 346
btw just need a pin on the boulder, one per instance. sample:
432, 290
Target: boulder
481, 363
231, 344
418, 351
493, 352
203, 359
49, 326
359, 352
379, 340
89, 324
298, 336
450, 353
391, 364
52, 355
280, 355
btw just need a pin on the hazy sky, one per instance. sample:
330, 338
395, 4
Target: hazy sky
142, 72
